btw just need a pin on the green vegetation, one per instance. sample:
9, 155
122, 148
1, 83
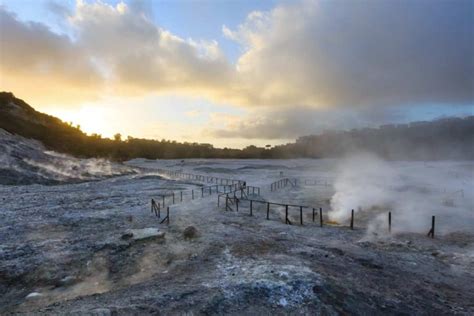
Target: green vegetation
451, 138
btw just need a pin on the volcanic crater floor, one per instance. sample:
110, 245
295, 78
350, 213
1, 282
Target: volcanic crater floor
62, 251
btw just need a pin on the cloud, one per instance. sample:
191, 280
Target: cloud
144, 57
317, 54
57, 8
116, 50
270, 124
372, 53
193, 113
291, 123
39, 63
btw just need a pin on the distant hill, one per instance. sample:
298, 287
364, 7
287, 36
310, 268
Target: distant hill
17, 117
442, 139
448, 138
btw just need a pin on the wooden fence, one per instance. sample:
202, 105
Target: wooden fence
234, 202
282, 183
188, 195
201, 178
236, 192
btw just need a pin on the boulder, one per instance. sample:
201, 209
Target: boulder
33, 295
143, 234
190, 232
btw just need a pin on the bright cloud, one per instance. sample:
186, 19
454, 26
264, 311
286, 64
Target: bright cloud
143, 57
311, 53
299, 61
38, 63
340, 53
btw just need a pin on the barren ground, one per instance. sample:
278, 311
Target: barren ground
64, 243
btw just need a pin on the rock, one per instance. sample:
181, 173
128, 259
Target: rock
190, 232
33, 295
127, 235
143, 234
101, 312
68, 280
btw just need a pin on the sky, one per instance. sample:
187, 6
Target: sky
238, 72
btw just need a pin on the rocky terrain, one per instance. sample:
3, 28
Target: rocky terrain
26, 161
94, 248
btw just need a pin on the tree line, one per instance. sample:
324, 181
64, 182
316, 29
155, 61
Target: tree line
449, 138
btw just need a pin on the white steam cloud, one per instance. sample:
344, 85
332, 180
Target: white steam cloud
412, 191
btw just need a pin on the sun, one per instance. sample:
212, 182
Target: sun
91, 119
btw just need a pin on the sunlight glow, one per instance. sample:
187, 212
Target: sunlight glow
91, 119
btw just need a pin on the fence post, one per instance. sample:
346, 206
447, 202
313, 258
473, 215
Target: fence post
432, 230
301, 215
181, 193
163, 197
268, 210
192, 194
152, 204
389, 222
321, 216
173, 197
352, 219
202, 192
210, 190
432, 226
251, 207
237, 204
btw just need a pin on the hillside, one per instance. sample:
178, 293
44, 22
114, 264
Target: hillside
26, 161
17, 117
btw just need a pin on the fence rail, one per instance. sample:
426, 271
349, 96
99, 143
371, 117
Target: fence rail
189, 195
242, 192
235, 200
314, 182
282, 183
201, 178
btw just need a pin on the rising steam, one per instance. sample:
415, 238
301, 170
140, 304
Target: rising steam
26, 161
412, 191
